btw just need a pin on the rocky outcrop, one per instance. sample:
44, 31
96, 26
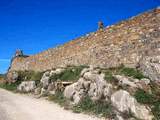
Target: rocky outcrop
150, 66
71, 92
27, 86
124, 102
45, 80
132, 83
126, 81
46, 85
91, 84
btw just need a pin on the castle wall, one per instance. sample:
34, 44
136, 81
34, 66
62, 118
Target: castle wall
124, 43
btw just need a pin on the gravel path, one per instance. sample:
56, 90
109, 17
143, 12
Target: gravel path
22, 107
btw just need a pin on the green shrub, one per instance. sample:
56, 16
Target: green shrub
122, 70
29, 75
156, 103
155, 89
144, 97
69, 74
156, 110
131, 72
55, 77
99, 108
58, 98
150, 99
10, 87
109, 75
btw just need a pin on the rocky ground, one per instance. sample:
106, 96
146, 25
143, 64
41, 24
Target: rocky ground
117, 93
21, 107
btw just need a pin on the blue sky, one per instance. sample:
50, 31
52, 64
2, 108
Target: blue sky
36, 25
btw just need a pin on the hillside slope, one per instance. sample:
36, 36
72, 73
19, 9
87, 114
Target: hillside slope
124, 43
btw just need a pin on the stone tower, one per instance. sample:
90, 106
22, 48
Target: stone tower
100, 25
18, 53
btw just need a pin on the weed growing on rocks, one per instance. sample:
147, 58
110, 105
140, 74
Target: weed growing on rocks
150, 99
58, 98
144, 97
29, 76
10, 87
100, 108
131, 72
69, 74
122, 70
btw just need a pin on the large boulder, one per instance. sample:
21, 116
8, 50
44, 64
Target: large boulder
126, 81
45, 79
124, 102
71, 92
133, 84
37, 91
150, 66
99, 88
27, 86
90, 84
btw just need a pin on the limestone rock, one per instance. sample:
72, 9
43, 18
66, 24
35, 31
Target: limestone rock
107, 92
84, 71
124, 102
145, 81
37, 91
57, 71
53, 92
123, 80
45, 79
72, 94
150, 66
51, 87
27, 86
44, 92
133, 83
92, 84
70, 91
118, 117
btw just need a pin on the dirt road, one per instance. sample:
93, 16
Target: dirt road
22, 107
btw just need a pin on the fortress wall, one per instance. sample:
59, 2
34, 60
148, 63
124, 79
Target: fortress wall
124, 43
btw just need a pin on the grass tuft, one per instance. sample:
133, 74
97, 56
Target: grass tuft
149, 99
58, 98
29, 75
122, 70
100, 108
144, 97
69, 74
131, 72
10, 87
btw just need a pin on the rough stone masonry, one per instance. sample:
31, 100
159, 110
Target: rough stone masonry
127, 42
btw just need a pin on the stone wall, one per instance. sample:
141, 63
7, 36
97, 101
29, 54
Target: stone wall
124, 43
